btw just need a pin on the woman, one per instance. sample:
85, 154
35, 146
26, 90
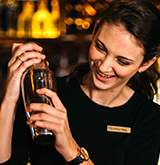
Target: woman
104, 105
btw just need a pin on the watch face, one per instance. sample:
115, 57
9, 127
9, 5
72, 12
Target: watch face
84, 154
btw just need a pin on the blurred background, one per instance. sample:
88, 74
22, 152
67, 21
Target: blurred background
62, 27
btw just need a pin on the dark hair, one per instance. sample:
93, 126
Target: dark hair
142, 19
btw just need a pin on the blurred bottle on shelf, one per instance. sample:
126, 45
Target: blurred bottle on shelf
1, 18
69, 16
80, 21
62, 19
49, 18
63, 24
10, 17
82, 14
55, 18
25, 19
42, 25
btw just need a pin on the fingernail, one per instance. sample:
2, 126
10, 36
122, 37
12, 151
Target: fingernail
28, 121
38, 90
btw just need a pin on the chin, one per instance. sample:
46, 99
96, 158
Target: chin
98, 84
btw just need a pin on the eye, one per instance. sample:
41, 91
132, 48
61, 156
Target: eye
123, 62
99, 46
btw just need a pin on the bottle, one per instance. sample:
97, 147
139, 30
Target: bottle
25, 19
55, 18
1, 18
62, 19
11, 12
35, 77
68, 17
42, 25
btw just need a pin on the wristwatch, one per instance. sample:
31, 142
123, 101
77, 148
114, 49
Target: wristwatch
82, 156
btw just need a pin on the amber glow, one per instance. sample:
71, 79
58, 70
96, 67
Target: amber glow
78, 21
55, 18
43, 22
98, 6
85, 25
90, 10
79, 7
32, 82
82, 23
69, 21
25, 19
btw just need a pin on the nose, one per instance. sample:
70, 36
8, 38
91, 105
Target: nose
106, 64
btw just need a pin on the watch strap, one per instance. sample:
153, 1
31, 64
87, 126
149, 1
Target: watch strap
75, 161
82, 156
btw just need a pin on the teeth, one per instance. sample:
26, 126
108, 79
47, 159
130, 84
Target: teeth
106, 76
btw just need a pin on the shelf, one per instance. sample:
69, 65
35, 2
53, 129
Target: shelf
69, 45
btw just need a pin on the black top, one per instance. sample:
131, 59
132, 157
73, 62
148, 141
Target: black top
124, 135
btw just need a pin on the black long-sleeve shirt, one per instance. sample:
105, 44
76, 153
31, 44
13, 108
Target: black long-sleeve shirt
123, 135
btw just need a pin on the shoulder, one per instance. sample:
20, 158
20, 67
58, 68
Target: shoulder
143, 110
65, 86
64, 82
144, 102
61, 81
146, 111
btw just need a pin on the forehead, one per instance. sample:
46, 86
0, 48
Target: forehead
118, 29
117, 36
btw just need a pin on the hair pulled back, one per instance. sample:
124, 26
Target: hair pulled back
141, 19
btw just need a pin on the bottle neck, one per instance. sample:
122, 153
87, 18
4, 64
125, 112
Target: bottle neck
42, 5
41, 65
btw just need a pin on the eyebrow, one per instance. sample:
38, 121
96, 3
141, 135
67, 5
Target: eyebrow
105, 48
125, 58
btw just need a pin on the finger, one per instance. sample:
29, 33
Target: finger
15, 46
53, 96
23, 48
29, 55
40, 107
55, 128
45, 118
30, 46
26, 56
45, 108
23, 66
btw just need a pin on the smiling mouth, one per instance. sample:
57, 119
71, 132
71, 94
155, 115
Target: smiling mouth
104, 75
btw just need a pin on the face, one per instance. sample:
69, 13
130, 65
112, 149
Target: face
114, 57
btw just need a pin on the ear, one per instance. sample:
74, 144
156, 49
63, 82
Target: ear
147, 64
94, 29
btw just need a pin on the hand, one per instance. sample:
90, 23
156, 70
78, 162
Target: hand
54, 119
16, 67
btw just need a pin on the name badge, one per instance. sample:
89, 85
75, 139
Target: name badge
111, 128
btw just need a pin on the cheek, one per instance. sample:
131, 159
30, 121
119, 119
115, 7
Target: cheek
125, 72
93, 54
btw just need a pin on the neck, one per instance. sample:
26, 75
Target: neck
108, 97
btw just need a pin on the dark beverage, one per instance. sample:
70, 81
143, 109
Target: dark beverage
36, 79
